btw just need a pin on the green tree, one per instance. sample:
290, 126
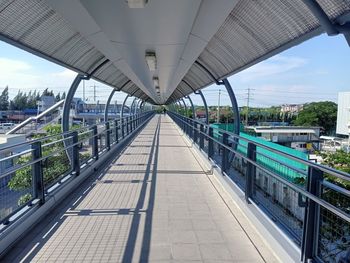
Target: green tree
4, 99
323, 114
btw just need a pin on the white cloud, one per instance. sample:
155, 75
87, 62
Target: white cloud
20, 75
275, 65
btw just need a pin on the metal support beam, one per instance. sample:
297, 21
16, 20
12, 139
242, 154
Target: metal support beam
122, 109
332, 29
234, 104
107, 105
138, 105
192, 106
132, 106
68, 102
184, 106
205, 105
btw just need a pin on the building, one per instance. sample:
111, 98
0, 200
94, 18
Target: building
46, 102
343, 116
305, 139
291, 108
8, 141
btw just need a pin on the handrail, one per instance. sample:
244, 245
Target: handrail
38, 117
37, 159
332, 171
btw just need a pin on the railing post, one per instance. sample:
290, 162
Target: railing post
116, 131
37, 173
201, 137
127, 125
224, 159
94, 142
314, 183
76, 160
210, 143
250, 171
195, 134
108, 136
122, 127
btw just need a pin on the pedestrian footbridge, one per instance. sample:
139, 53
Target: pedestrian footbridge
155, 201
151, 187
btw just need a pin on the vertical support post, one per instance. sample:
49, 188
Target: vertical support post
250, 171
201, 137
186, 112
234, 104
211, 143
314, 183
205, 106
107, 105
37, 173
195, 132
108, 136
192, 107
127, 125
224, 160
76, 160
122, 109
122, 124
116, 130
94, 142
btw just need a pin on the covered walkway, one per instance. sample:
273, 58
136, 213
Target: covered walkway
155, 202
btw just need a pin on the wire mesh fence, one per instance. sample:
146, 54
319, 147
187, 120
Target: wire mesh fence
334, 232
284, 186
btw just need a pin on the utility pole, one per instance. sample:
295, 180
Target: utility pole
94, 92
218, 115
248, 100
84, 90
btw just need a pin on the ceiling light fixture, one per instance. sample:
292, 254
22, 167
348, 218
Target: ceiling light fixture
151, 60
137, 3
156, 82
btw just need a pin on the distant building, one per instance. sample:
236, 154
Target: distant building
46, 102
343, 115
291, 108
7, 141
305, 139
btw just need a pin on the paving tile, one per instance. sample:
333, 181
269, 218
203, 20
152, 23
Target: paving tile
186, 252
215, 252
174, 215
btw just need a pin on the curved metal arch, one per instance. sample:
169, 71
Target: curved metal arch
132, 106
185, 106
110, 99
205, 105
192, 106
71, 92
122, 109
231, 94
107, 104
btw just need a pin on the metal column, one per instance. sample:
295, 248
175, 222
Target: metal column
107, 105
234, 104
205, 105
192, 106
122, 109
185, 106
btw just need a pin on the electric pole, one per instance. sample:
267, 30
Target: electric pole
218, 115
247, 114
94, 92
84, 90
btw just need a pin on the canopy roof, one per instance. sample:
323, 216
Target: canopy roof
193, 41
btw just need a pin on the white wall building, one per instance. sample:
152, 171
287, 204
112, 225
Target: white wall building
343, 116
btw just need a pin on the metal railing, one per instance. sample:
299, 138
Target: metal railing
31, 170
313, 211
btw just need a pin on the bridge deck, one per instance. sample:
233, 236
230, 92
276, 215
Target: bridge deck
154, 203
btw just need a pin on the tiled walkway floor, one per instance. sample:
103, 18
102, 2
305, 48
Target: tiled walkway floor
154, 204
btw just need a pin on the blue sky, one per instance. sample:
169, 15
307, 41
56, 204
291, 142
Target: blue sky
315, 70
